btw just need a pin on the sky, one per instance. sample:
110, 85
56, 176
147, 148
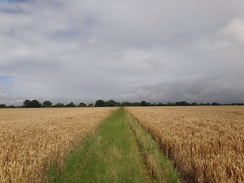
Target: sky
125, 50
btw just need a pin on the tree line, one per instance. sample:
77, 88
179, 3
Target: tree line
110, 103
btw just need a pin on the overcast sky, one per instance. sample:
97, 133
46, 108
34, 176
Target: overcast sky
126, 50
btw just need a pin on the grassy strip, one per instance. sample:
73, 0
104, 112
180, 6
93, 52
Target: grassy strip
110, 155
158, 166
120, 151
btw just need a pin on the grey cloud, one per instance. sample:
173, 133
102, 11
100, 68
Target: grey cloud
125, 50
204, 89
10, 100
235, 31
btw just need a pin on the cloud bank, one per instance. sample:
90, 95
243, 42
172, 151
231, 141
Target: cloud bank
157, 51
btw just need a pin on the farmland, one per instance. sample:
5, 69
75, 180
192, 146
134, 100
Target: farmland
205, 143
30, 139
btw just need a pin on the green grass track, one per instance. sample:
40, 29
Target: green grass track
119, 151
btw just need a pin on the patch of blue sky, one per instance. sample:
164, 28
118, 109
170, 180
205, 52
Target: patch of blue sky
6, 80
7, 84
10, 9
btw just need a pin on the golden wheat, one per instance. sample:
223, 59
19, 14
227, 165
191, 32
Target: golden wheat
206, 144
30, 139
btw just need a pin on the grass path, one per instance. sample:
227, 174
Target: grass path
120, 151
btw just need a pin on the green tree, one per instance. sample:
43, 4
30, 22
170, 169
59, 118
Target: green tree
144, 103
71, 104
90, 105
182, 103
215, 103
99, 103
35, 103
32, 103
126, 104
161, 104
135, 104
194, 104
118, 104
11, 106
27, 103
3, 106
110, 103
59, 105
82, 104
47, 104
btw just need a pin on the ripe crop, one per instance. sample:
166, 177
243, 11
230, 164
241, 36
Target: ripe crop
31, 139
206, 144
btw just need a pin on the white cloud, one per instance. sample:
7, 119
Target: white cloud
235, 30
84, 50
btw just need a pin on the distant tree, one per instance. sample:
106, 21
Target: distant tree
100, 103
11, 106
160, 104
123, 104
35, 103
110, 103
194, 104
27, 103
126, 104
59, 105
3, 106
135, 104
118, 104
82, 104
143, 103
170, 104
32, 103
215, 103
90, 105
182, 103
71, 104
47, 104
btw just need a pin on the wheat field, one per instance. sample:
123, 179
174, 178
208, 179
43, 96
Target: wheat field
206, 144
31, 139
